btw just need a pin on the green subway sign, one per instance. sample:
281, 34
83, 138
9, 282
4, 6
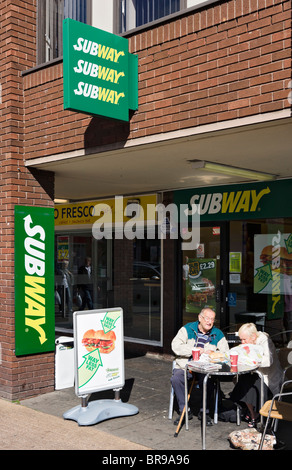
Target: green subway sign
34, 280
238, 201
100, 75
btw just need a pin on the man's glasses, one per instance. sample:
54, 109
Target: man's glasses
208, 319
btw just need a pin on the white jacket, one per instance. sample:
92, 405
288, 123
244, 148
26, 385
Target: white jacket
270, 365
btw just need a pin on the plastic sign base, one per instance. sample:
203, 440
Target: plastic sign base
100, 410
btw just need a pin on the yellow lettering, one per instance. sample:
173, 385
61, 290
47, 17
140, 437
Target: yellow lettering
230, 201
118, 97
117, 55
275, 300
102, 51
34, 309
110, 55
118, 75
111, 96
256, 198
103, 93
36, 325
244, 202
110, 76
36, 291
102, 72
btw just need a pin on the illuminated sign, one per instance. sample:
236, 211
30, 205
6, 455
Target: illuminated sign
100, 75
237, 202
109, 210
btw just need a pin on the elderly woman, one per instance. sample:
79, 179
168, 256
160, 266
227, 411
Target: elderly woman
247, 389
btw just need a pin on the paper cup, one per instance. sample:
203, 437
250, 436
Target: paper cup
234, 359
196, 354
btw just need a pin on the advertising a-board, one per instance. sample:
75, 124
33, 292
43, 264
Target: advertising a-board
99, 350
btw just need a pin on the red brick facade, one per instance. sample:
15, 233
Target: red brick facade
226, 61
25, 376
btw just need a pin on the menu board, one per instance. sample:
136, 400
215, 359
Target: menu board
99, 350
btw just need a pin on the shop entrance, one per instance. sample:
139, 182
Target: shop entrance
204, 274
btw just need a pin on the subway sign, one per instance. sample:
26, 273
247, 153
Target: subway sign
34, 280
238, 202
100, 75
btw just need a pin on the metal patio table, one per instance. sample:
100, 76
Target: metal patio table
225, 371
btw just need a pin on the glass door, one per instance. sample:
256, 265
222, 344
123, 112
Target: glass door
203, 277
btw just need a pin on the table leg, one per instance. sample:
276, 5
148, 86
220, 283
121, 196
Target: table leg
204, 411
216, 402
262, 393
186, 399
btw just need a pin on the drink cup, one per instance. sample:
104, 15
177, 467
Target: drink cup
196, 354
234, 369
234, 359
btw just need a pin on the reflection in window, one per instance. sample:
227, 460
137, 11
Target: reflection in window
134, 13
150, 10
51, 14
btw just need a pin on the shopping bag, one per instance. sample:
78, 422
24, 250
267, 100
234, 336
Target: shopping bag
249, 439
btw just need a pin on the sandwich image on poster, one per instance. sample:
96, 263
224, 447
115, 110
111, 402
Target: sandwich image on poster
99, 365
104, 342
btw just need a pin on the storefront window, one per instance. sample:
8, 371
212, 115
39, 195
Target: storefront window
201, 275
137, 287
93, 274
259, 273
83, 275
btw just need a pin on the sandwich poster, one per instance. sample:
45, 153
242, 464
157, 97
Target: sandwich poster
99, 350
272, 270
272, 262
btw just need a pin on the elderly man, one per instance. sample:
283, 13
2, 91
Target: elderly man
203, 335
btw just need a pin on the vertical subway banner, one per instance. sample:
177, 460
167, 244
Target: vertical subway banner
34, 280
100, 75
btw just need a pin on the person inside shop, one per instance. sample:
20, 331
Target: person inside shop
204, 335
248, 388
86, 287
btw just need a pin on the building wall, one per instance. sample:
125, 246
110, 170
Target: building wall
226, 61
23, 376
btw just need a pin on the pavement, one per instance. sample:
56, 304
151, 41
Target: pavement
38, 424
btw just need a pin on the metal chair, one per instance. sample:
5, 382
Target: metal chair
171, 399
285, 359
276, 409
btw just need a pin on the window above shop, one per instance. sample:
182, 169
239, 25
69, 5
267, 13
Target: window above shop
114, 16
136, 13
50, 16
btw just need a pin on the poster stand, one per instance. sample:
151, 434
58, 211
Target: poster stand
96, 411
94, 373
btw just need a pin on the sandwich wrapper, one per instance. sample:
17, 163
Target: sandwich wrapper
206, 364
248, 354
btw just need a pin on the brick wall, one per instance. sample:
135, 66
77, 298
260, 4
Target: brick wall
227, 61
25, 376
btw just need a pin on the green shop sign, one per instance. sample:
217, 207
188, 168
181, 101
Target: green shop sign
238, 201
34, 280
100, 75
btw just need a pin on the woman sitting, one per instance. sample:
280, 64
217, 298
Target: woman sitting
248, 387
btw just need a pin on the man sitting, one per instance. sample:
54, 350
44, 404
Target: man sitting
201, 334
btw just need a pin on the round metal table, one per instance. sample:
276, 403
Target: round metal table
225, 370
